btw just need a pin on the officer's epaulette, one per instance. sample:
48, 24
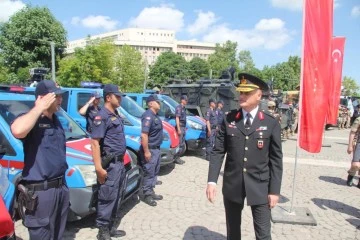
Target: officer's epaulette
267, 113
233, 115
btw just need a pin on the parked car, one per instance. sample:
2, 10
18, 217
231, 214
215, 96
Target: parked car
195, 137
80, 176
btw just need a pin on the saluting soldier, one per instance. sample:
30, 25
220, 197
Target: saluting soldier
45, 164
251, 140
151, 139
211, 124
108, 148
91, 109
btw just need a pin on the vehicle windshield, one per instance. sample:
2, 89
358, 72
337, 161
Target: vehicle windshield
9, 109
129, 105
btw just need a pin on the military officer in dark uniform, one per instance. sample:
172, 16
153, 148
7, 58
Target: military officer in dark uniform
91, 109
108, 148
45, 164
180, 118
219, 112
253, 168
151, 139
211, 125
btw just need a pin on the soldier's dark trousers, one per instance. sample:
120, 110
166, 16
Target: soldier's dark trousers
182, 144
109, 194
261, 220
49, 218
150, 170
210, 141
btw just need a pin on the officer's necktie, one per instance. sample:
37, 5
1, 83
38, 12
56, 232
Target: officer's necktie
248, 121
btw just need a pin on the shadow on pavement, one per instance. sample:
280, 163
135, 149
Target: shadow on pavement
341, 143
197, 153
335, 180
72, 228
283, 199
165, 170
340, 207
199, 232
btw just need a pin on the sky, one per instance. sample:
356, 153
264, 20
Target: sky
270, 29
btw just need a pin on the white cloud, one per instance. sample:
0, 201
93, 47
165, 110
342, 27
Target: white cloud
270, 34
163, 17
8, 8
99, 21
355, 11
203, 21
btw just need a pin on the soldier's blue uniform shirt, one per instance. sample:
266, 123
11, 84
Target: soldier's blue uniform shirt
44, 150
180, 112
109, 128
150, 121
211, 117
90, 114
220, 116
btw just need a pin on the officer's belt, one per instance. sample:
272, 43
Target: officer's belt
118, 158
154, 147
45, 185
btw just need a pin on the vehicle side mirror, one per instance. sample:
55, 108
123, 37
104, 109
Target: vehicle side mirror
169, 114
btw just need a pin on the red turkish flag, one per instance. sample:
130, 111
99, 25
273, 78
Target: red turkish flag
337, 54
315, 72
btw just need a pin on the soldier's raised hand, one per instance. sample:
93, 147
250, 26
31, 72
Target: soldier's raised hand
44, 102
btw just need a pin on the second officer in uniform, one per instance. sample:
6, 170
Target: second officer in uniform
151, 139
108, 148
211, 125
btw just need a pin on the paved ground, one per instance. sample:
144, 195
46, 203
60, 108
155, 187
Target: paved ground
186, 214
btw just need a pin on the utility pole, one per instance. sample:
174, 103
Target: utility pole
52, 45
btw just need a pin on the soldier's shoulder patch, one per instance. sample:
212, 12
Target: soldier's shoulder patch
97, 120
98, 117
148, 118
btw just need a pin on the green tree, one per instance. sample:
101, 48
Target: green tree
168, 65
223, 58
25, 38
95, 62
351, 88
198, 68
130, 69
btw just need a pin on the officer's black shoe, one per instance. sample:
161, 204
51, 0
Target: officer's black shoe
157, 197
104, 233
349, 181
158, 182
179, 161
149, 200
117, 233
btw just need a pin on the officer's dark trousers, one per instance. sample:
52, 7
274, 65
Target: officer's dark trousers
210, 141
182, 144
261, 220
49, 218
109, 194
150, 170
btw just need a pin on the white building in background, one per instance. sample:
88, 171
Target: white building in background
150, 43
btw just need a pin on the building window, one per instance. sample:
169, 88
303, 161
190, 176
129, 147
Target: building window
157, 49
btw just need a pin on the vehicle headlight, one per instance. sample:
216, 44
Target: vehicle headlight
166, 136
88, 174
194, 125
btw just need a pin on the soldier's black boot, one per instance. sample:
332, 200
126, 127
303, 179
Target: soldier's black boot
349, 181
114, 232
104, 233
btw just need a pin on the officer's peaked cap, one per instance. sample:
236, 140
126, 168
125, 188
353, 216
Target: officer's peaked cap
47, 86
220, 101
212, 100
152, 97
249, 83
112, 88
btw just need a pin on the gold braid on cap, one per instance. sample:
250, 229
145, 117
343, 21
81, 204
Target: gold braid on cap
243, 80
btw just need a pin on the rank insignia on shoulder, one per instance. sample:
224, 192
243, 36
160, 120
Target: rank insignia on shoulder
44, 125
113, 118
